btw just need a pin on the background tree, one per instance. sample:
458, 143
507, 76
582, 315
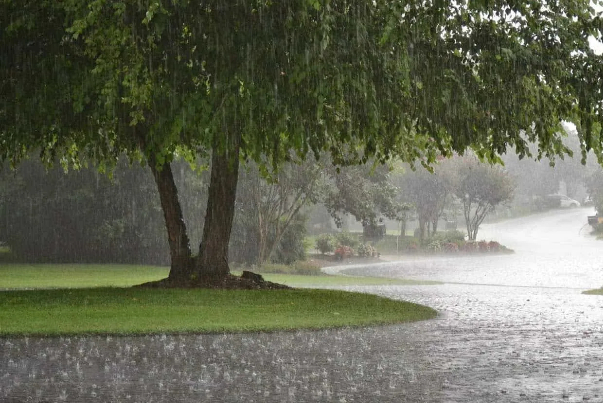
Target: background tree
428, 193
82, 216
365, 192
533, 179
269, 206
536, 179
480, 187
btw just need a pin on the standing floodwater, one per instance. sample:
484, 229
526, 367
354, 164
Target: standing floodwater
513, 328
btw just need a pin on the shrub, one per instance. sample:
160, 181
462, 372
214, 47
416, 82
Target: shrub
412, 246
366, 250
434, 245
453, 236
482, 246
347, 239
494, 246
291, 248
470, 247
343, 251
325, 243
450, 247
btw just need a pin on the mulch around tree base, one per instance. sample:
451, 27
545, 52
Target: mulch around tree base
247, 281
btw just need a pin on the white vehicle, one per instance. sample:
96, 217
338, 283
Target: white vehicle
562, 201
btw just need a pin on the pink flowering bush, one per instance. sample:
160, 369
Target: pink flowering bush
342, 252
450, 247
483, 246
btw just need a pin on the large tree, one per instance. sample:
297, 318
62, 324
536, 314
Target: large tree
242, 79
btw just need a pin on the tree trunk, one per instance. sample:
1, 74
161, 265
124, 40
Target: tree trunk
262, 225
467, 215
262, 241
180, 251
212, 262
421, 229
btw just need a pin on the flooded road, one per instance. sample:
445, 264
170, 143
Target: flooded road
512, 328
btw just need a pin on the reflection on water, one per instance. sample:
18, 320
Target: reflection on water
512, 329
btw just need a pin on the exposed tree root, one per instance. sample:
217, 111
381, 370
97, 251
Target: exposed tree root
247, 281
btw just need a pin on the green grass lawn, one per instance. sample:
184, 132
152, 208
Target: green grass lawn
598, 291
142, 311
60, 299
19, 276
77, 275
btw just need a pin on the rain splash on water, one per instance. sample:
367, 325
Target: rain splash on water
511, 328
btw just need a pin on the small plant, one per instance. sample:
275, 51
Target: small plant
483, 246
325, 243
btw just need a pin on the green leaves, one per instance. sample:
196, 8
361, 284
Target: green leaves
363, 79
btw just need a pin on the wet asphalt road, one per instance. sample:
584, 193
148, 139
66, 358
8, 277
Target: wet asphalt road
512, 328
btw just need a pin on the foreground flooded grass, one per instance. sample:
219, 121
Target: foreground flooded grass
144, 311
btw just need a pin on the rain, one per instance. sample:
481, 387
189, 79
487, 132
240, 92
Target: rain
453, 148
510, 328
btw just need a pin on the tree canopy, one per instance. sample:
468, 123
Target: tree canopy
359, 79
264, 80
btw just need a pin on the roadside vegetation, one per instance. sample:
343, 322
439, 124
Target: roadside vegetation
444, 242
344, 245
597, 291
